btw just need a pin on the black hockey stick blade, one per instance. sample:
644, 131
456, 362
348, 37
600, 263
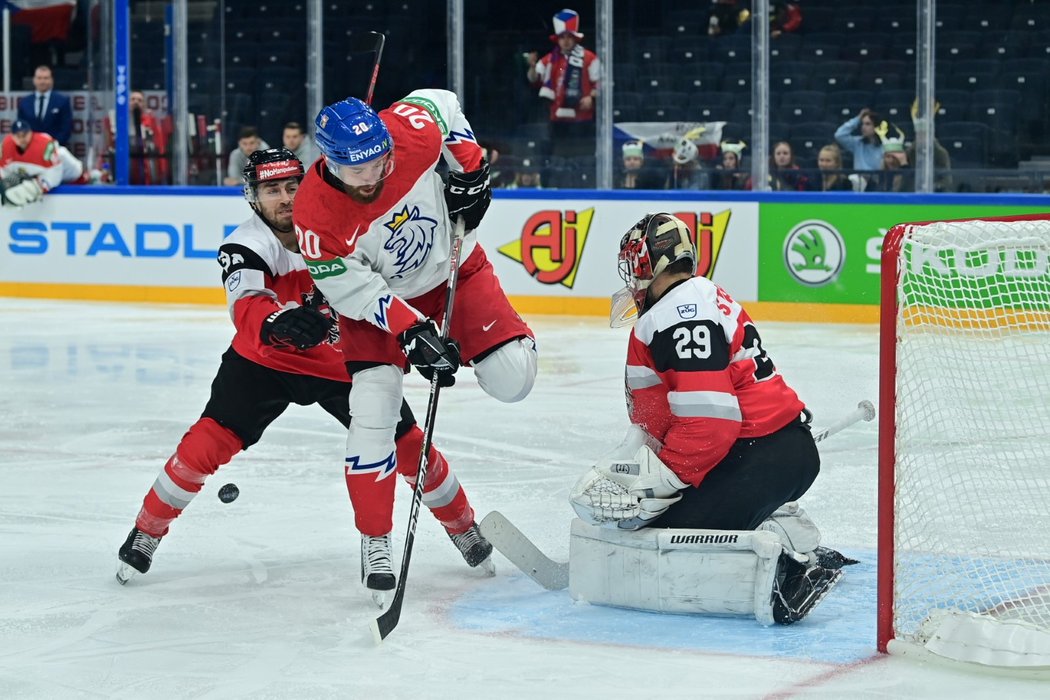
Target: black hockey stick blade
383, 625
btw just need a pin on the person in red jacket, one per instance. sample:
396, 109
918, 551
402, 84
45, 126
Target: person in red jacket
568, 77
718, 440
284, 351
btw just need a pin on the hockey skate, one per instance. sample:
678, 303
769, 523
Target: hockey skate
832, 559
476, 550
377, 571
798, 589
136, 555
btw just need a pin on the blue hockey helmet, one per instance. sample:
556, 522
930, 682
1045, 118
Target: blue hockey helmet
351, 136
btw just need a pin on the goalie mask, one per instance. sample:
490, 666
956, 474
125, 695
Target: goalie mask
653, 244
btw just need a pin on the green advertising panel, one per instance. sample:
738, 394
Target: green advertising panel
830, 253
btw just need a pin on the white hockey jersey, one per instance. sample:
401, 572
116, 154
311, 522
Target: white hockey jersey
369, 259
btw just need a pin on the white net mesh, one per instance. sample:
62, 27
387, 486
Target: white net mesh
972, 530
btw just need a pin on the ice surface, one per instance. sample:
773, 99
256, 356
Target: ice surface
260, 598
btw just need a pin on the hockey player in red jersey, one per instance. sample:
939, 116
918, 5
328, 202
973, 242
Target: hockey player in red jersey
284, 351
30, 161
719, 441
374, 222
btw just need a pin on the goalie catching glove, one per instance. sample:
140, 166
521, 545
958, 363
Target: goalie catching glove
429, 352
25, 192
468, 195
626, 493
301, 328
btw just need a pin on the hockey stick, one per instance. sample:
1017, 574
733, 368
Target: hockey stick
383, 625
519, 549
375, 42
865, 411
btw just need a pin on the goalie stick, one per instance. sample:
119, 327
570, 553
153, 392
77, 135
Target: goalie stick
383, 625
865, 411
553, 575
515, 546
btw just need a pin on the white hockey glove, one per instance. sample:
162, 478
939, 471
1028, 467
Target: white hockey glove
25, 192
626, 493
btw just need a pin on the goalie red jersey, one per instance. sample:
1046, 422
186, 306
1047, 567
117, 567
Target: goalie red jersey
698, 379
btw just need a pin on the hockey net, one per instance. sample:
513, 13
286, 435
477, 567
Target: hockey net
964, 453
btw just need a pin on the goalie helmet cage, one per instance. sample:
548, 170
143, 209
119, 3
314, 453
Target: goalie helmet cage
964, 441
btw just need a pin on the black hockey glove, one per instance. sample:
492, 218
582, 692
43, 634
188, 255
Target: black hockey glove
302, 327
469, 195
428, 353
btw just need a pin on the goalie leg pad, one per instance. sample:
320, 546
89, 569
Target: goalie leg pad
711, 572
798, 533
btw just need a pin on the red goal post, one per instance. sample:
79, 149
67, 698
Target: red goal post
964, 441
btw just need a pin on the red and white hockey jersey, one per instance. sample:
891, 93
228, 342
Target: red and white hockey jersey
262, 276
698, 379
40, 160
369, 258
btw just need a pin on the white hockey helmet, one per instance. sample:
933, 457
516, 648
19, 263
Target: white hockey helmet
649, 247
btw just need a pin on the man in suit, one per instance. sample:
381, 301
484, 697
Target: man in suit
45, 109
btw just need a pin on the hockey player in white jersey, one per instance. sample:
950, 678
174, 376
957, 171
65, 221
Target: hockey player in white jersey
374, 222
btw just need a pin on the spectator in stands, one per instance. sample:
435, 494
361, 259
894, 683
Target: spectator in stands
726, 17
732, 175
786, 17
568, 77
897, 174
784, 173
148, 136
47, 110
893, 176
942, 161
300, 143
636, 174
865, 146
832, 179
687, 173
248, 142
526, 176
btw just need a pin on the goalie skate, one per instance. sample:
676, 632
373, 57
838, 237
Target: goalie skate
135, 555
801, 589
377, 572
476, 550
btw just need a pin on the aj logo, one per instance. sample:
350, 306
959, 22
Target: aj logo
551, 245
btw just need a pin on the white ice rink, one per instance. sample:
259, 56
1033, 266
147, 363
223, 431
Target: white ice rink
261, 598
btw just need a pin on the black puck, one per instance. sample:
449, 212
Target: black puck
229, 493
